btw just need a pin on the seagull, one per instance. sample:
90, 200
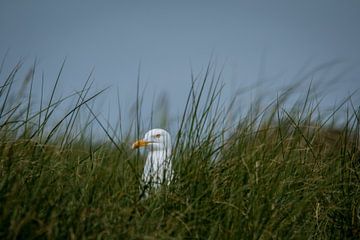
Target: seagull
157, 169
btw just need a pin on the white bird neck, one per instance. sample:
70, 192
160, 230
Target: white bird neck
160, 154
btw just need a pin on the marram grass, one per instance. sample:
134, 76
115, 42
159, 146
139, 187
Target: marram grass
276, 174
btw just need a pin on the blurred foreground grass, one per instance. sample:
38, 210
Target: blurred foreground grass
279, 173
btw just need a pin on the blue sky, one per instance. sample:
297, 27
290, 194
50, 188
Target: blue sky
268, 41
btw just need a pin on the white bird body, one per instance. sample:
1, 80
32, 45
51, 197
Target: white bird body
158, 167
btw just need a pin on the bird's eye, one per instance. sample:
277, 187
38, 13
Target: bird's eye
158, 135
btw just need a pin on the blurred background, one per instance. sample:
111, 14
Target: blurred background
261, 47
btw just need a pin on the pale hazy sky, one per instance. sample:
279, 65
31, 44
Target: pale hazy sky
267, 40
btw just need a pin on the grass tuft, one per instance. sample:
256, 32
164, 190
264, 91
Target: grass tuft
279, 173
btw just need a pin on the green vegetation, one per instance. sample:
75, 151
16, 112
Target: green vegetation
276, 173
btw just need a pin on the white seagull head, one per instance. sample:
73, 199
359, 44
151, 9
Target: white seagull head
156, 139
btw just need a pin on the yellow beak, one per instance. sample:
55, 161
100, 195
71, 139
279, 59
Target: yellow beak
140, 143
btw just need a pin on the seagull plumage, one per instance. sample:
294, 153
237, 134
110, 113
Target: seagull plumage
158, 168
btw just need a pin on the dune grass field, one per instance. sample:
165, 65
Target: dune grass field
276, 172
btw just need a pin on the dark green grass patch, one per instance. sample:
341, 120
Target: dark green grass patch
278, 174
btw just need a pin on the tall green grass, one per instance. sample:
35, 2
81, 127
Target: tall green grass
275, 173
